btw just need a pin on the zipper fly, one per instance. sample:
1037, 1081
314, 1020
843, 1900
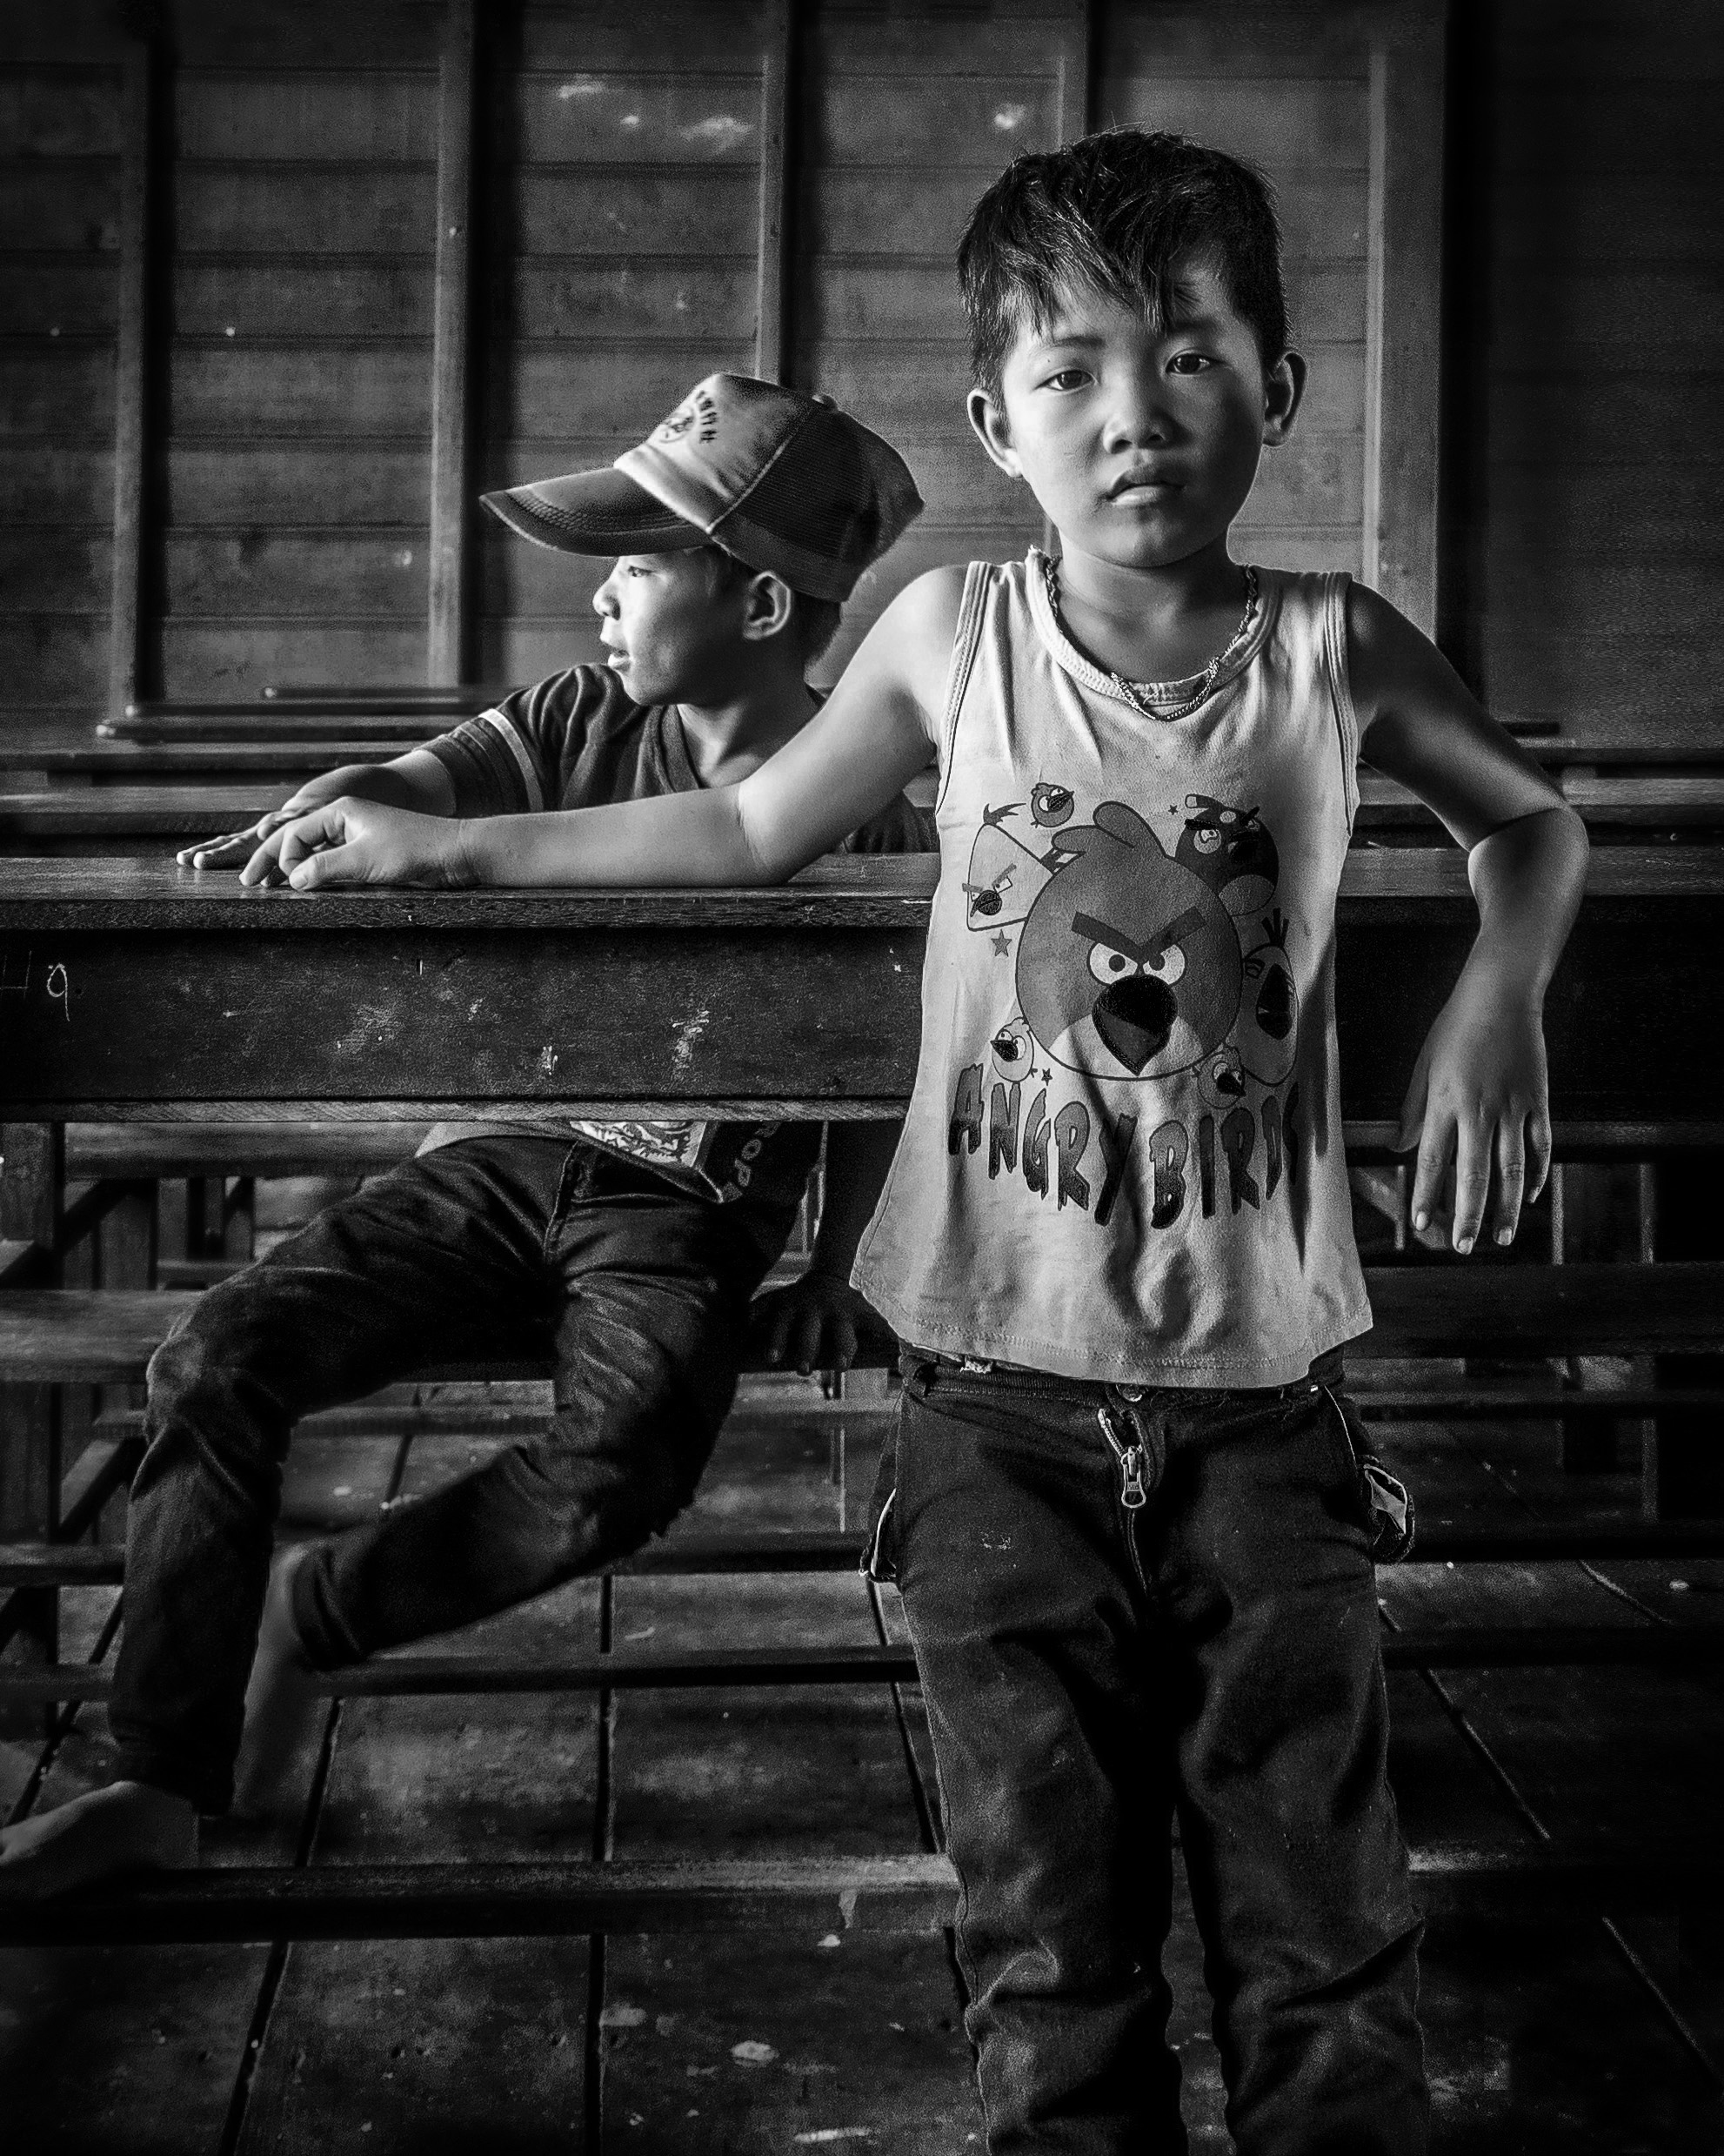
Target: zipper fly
1131, 1459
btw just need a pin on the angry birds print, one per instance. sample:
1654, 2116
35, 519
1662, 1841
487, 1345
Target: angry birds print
1128, 963
1268, 1021
1232, 851
1004, 876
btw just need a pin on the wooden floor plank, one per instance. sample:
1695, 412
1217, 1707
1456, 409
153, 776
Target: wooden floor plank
1538, 2038
740, 2044
743, 2045
444, 2042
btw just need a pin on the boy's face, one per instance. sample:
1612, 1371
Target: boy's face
674, 631
1140, 444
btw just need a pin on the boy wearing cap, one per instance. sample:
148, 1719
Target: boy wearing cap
628, 1251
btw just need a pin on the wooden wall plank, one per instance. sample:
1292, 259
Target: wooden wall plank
132, 361
59, 112
849, 211
75, 206
57, 570
291, 113
260, 573
573, 299
48, 391
1283, 123
1406, 284
56, 659
62, 296
588, 210
223, 391
452, 340
536, 392
340, 296
295, 483
956, 118
378, 36
239, 657
772, 229
696, 36
285, 209
62, 485
635, 118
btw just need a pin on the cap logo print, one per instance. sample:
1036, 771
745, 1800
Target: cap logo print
697, 408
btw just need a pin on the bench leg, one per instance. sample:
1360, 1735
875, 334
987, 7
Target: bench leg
1602, 1214
29, 1506
32, 1204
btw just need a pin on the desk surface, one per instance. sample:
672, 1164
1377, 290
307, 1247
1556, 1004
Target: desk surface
131, 895
135, 990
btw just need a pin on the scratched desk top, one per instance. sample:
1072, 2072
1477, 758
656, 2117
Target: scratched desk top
839, 892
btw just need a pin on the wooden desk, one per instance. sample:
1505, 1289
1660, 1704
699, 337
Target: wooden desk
299, 723
133, 990
31, 755
128, 820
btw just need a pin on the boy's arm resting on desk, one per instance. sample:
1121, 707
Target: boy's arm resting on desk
816, 1321
860, 750
415, 781
1478, 1097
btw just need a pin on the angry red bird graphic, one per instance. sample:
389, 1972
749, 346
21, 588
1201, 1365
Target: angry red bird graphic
1128, 963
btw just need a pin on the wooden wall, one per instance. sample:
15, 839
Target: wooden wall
61, 129
1586, 345
662, 187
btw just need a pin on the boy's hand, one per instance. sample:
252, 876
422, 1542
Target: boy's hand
814, 1323
236, 849
1478, 1101
351, 841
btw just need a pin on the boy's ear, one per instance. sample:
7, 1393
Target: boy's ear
994, 431
770, 605
1283, 392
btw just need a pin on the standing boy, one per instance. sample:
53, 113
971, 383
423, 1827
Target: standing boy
1123, 1509
627, 1251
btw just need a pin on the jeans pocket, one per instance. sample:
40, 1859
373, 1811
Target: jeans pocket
880, 1552
1391, 1518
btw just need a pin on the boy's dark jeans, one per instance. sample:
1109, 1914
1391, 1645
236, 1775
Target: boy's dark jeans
491, 1248
1092, 1671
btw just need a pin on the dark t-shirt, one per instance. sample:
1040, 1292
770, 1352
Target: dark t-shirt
579, 740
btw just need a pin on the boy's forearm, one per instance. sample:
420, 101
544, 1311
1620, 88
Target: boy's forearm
859, 1158
678, 839
415, 781
1528, 877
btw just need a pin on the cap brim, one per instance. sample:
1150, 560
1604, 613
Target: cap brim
594, 513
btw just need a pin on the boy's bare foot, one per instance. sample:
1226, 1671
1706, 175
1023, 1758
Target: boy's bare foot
284, 1701
128, 1826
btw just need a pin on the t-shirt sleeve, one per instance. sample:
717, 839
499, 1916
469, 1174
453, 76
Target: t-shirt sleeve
516, 756
900, 827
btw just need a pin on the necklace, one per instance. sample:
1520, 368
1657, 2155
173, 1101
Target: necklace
1152, 697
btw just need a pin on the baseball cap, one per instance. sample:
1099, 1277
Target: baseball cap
784, 481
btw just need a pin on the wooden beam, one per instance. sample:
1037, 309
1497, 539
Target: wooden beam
1074, 63
66, 1564
777, 73
908, 1894
1073, 40
1403, 306
417, 1677
451, 341
131, 365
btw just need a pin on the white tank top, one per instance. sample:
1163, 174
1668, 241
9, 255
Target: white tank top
1123, 1156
